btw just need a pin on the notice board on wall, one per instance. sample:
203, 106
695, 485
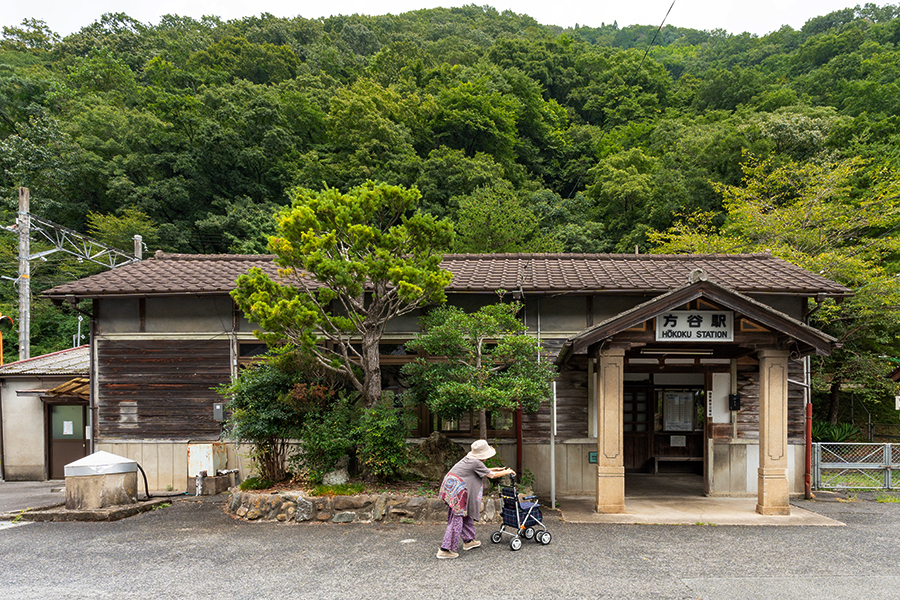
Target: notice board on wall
678, 410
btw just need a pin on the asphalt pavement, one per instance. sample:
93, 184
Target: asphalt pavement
192, 549
19, 495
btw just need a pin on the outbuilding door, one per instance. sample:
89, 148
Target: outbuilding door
67, 437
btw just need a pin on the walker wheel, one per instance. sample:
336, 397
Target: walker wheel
515, 543
529, 533
545, 539
538, 536
496, 537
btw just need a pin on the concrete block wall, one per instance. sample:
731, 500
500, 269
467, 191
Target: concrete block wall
166, 462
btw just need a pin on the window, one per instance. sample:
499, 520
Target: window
501, 423
250, 352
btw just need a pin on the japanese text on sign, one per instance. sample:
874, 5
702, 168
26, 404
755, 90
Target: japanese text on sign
695, 325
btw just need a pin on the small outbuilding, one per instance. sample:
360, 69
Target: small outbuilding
44, 419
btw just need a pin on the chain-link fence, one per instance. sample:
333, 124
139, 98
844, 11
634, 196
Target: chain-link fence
856, 466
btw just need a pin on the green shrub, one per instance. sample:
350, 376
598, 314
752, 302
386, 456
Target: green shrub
261, 412
255, 483
382, 449
825, 431
325, 439
526, 478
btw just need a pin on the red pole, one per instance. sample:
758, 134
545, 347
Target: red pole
807, 477
519, 441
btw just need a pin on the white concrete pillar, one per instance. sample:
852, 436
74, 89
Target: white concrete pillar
774, 489
608, 394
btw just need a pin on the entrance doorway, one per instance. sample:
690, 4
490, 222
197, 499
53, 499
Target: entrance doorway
662, 427
67, 439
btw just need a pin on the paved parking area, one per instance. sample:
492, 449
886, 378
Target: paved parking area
18, 495
192, 549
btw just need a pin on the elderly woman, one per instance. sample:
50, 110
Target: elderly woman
461, 490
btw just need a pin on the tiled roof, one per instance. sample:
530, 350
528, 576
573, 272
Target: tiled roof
631, 272
74, 361
167, 274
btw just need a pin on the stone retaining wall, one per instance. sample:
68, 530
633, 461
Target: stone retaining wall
292, 506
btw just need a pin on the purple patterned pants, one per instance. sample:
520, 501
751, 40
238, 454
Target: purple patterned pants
458, 528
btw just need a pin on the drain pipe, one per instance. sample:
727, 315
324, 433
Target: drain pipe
553, 450
2, 455
146, 487
807, 477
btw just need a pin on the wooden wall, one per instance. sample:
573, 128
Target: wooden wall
160, 389
748, 416
571, 406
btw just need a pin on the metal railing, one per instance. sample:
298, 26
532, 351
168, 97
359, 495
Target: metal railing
855, 466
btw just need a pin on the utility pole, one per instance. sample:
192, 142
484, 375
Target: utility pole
23, 225
62, 239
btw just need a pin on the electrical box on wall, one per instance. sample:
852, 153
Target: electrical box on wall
219, 412
734, 402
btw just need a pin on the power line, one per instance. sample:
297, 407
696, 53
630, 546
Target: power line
634, 75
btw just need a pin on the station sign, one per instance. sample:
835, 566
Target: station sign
695, 326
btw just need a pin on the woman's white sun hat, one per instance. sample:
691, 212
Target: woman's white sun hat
481, 450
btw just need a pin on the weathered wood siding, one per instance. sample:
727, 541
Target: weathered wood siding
748, 416
571, 407
160, 389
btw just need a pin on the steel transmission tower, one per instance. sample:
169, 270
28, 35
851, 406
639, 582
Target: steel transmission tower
62, 239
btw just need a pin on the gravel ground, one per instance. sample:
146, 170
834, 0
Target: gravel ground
192, 549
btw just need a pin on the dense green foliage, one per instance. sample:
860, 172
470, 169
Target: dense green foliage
826, 431
586, 139
485, 362
287, 409
372, 257
263, 413
382, 451
326, 438
810, 214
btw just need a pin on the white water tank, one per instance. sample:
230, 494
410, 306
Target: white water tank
100, 480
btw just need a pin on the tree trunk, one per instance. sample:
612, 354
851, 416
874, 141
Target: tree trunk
371, 366
482, 428
834, 404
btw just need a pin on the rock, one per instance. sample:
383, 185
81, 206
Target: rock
336, 477
344, 517
323, 516
305, 510
416, 502
380, 507
274, 507
436, 455
351, 502
437, 510
489, 511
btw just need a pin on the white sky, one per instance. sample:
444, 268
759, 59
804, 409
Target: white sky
756, 16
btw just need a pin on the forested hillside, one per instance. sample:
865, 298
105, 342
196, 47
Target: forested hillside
593, 139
